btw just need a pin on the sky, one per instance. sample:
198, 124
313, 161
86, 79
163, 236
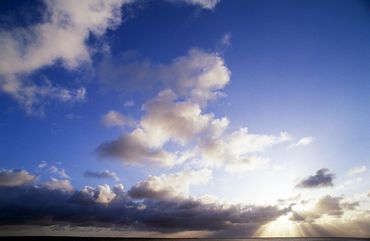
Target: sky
185, 118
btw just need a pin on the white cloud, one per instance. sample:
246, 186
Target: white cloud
177, 116
356, 170
12, 178
100, 194
58, 184
199, 75
236, 151
168, 119
114, 118
61, 35
170, 185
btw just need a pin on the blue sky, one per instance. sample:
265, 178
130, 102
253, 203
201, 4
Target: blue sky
237, 102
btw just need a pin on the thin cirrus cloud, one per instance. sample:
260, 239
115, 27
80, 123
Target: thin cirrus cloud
322, 178
304, 141
356, 170
102, 175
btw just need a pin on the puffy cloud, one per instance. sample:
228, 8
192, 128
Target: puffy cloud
176, 115
322, 178
133, 149
13, 178
103, 174
356, 170
100, 194
310, 212
169, 185
237, 150
168, 119
56, 184
61, 35
198, 75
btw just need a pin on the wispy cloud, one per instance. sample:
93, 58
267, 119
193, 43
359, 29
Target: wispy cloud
356, 170
206, 4
104, 174
304, 141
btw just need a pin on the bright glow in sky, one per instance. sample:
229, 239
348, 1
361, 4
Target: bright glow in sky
188, 118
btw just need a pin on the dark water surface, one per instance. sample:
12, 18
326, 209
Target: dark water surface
159, 239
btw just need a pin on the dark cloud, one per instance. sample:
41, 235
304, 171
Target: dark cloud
104, 174
322, 178
132, 150
105, 207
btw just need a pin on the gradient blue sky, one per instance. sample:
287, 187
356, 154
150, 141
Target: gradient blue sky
301, 67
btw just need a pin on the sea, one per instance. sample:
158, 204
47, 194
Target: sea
45, 238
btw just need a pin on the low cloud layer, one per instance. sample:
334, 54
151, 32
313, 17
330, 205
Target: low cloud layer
161, 204
322, 178
106, 206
